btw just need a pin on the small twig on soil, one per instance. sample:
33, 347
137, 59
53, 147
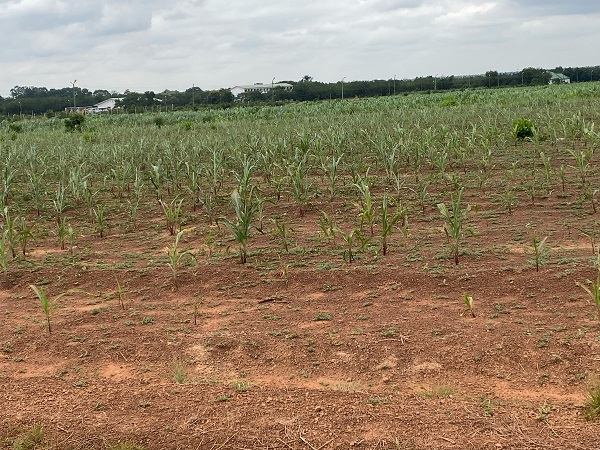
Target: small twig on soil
402, 339
123, 356
325, 443
305, 441
377, 445
226, 441
272, 299
285, 443
447, 440
65, 439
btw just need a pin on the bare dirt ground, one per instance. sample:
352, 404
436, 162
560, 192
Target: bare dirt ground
304, 350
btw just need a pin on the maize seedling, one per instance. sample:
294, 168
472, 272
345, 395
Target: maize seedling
468, 301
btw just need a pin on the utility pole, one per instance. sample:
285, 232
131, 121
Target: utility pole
193, 96
272, 91
394, 84
343, 87
73, 84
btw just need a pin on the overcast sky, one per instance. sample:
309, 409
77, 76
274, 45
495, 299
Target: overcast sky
155, 45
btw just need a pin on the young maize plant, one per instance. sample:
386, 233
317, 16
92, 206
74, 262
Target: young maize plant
7, 181
468, 301
172, 214
421, 194
348, 239
36, 177
44, 303
120, 294
547, 169
175, 257
298, 177
4, 251
89, 198
538, 247
156, 178
47, 305
11, 231
508, 199
60, 202
594, 289
562, 175
100, 217
365, 205
23, 234
590, 194
582, 163
61, 232
328, 227
283, 232
244, 208
388, 220
331, 169
453, 221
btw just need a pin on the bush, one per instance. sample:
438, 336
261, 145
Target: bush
523, 129
449, 101
74, 122
15, 127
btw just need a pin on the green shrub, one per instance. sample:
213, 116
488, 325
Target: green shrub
74, 122
449, 101
15, 127
523, 129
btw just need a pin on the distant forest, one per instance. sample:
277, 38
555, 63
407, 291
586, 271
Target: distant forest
30, 100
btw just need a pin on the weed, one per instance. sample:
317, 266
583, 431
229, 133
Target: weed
241, 385
178, 371
594, 289
125, 446
441, 391
322, 316
223, 398
34, 438
591, 409
389, 332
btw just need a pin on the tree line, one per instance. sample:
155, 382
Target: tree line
30, 100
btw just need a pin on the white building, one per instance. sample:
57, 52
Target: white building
105, 105
558, 78
259, 87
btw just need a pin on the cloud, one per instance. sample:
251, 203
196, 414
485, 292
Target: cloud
153, 45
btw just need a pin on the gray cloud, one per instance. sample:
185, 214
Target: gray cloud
152, 45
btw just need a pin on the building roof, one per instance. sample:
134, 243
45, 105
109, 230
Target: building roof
558, 76
263, 85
